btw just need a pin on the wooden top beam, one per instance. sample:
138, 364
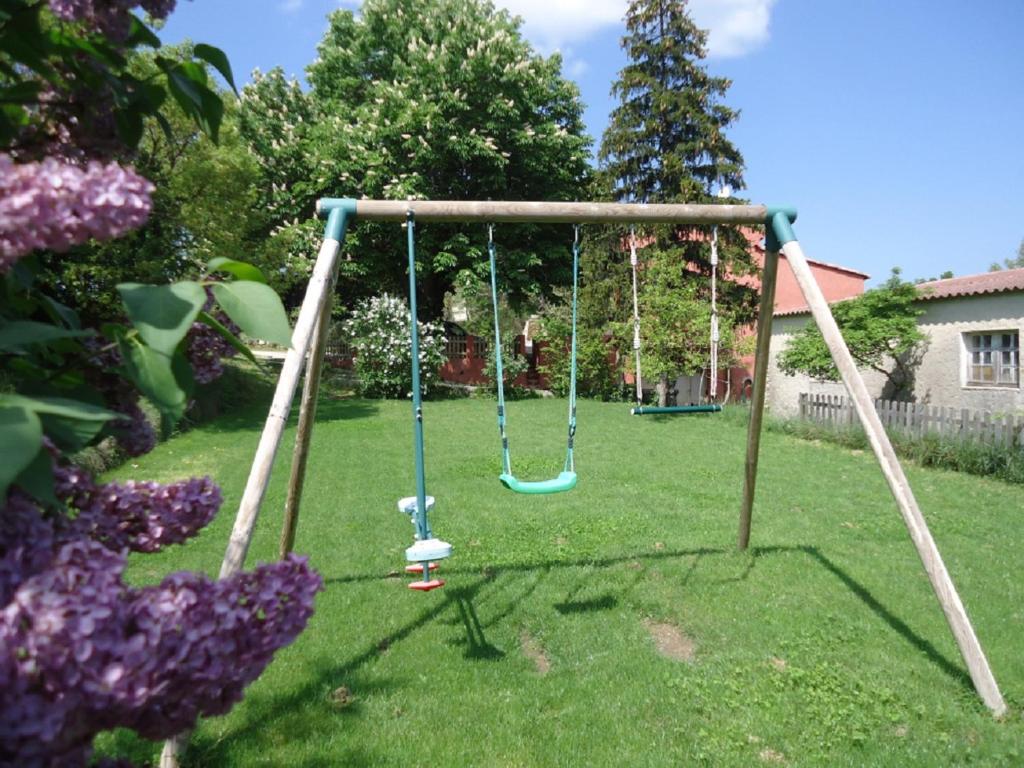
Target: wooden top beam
551, 213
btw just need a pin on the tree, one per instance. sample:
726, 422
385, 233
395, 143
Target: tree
446, 101
666, 143
880, 328
1016, 262
81, 649
203, 204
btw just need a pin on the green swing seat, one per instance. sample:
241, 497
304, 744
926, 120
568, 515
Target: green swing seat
565, 481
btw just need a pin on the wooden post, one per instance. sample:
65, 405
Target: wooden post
945, 591
317, 294
764, 340
307, 417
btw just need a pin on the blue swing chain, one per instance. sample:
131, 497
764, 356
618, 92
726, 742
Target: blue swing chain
506, 459
570, 463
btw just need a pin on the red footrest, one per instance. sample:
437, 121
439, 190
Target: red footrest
426, 586
418, 569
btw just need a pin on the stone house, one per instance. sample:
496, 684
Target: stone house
971, 359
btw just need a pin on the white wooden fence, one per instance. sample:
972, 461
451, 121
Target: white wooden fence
919, 419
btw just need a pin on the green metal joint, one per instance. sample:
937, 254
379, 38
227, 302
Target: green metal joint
779, 228
338, 211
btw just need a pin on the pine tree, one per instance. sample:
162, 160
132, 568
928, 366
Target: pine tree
666, 143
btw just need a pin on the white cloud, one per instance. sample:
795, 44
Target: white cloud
551, 24
290, 6
736, 27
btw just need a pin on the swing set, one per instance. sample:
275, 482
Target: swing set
309, 342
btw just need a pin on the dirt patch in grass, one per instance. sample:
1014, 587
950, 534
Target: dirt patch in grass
535, 653
341, 697
671, 641
771, 756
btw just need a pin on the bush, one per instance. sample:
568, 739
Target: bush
512, 367
595, 376
1001, 462
380, 337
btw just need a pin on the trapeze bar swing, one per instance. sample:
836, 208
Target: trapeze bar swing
674, 410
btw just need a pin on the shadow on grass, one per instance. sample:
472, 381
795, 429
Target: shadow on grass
755, 553
297, 713
477, 645
894, 621
300, 713
252, 418
602, 603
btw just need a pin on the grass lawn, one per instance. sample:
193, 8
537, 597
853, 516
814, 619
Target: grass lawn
614, 625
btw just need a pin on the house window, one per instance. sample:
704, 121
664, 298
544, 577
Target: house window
993, 359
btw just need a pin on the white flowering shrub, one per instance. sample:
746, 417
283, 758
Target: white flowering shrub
379, 334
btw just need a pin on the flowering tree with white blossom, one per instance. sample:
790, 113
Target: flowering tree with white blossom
81, 651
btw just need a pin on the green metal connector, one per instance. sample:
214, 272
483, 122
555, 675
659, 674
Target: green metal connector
778, 227
339, 212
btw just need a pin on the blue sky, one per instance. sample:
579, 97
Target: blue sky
896, 127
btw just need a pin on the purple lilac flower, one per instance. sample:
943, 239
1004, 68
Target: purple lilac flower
56, 205
109, 16
147, 516
82, 652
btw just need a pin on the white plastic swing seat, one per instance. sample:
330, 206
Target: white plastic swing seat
565, 481
408, 504
425, 550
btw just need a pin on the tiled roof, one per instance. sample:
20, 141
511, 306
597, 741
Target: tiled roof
805, 310
969, 285
972, 285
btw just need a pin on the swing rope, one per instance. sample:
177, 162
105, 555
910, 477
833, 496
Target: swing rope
636, 319
567, 479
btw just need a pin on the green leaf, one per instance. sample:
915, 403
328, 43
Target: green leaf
61, 312
140, 34
228, 336
217, 58
22, 333
21, 435
211, 113
256, 309
37, 478
152, 373
240, 269
20, 93
71, 423
129, 126
163, 313
60, 406
187, 82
